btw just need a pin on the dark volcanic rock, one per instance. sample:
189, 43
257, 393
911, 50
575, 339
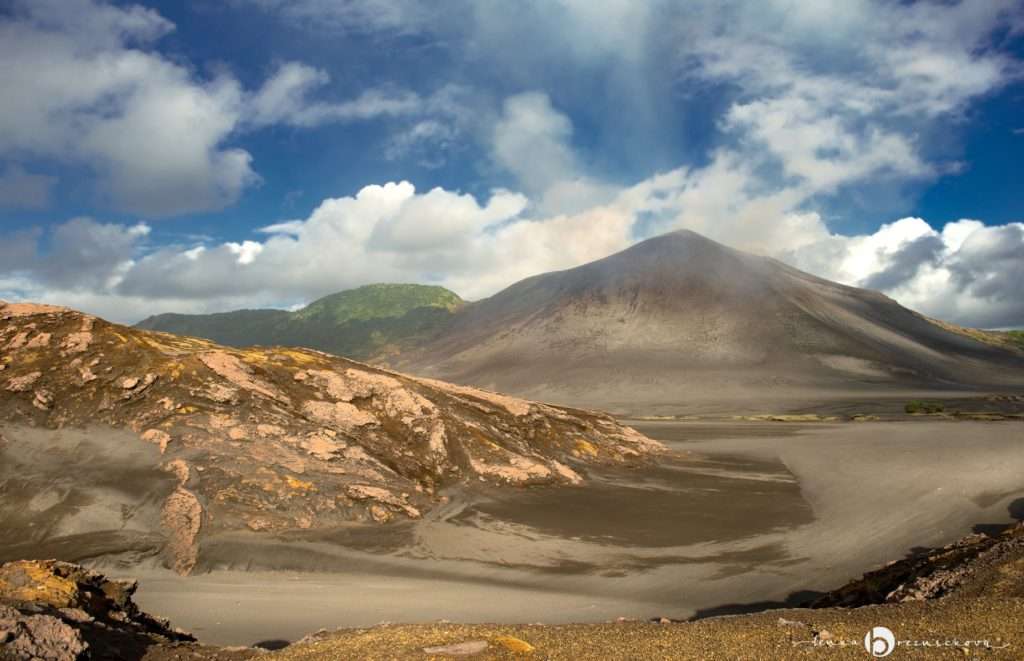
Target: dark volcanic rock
927, 575
27, 637
59, 611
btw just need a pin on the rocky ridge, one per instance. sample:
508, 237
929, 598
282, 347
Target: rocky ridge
933, 573
275, 439
58, 611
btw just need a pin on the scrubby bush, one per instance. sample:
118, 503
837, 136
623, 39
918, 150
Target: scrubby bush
917, 406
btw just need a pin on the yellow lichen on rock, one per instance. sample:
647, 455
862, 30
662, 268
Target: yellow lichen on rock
36, 581
584, 447
300, 357
299, 485
513, 644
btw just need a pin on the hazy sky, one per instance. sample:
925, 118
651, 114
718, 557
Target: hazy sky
213, 154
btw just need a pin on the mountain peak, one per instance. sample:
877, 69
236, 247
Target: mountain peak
682, 242
684, 234
680, 318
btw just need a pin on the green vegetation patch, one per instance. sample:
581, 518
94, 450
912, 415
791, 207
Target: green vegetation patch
378, 302
367, 323
918, 406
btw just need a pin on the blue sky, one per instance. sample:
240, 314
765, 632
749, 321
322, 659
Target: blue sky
150, 145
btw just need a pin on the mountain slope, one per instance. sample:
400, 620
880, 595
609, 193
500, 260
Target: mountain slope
368, 322
117, 441
680, 319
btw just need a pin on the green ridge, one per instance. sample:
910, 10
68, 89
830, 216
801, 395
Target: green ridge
366, 323
377, 302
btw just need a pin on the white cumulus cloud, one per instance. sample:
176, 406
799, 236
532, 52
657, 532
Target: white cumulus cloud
90, 94
966, 272
86, 87
284, 99
818, 98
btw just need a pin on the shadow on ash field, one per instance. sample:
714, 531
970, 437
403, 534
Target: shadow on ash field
681, 502
744, 516
80, 494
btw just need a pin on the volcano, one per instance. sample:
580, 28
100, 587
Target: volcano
682, 321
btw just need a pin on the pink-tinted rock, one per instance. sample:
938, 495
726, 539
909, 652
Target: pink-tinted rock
182, 518
23, 383
158, 437
234, 370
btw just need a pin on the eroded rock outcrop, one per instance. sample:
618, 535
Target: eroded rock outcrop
929, 574
273, 439
57, 611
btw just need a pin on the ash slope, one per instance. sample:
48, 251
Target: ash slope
256, 440
680, 319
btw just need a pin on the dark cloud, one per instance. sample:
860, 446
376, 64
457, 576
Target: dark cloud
906, 262
80, 254
990, 267
18, 251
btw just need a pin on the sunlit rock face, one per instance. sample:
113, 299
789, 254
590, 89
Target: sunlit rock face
275, 439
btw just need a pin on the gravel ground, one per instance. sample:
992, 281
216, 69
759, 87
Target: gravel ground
759, 636
983, 617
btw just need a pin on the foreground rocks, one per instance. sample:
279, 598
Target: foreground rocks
57, 611
267, 440
966, 599
932, 574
